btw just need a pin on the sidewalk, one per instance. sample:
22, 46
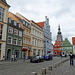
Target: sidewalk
63, 69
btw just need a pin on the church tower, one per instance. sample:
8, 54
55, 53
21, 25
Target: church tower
59, 36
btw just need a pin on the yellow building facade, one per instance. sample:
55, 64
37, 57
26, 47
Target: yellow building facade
26, 35
4, 7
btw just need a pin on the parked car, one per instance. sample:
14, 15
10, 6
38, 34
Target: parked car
35, 59
48, 57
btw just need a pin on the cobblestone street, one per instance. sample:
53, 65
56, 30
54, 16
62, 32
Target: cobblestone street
26, 68
63, 69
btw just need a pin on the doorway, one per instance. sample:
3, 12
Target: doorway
9, 54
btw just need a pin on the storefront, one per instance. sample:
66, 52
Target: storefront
24, 52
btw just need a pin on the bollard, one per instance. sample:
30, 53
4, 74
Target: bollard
43, 71
55, 66
50, 67
34, 73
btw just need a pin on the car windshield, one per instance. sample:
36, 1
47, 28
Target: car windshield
37, 57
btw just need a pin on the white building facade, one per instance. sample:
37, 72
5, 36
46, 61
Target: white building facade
48, 46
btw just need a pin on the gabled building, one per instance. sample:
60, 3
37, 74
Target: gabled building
26, 50
57, 48
14, 38
73, 43
48, 46
4, 7
67, 47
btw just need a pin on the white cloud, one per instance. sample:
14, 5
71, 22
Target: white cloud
58, 11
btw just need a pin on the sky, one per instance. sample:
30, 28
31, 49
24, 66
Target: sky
58, 11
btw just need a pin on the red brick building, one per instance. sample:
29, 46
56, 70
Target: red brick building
57, 48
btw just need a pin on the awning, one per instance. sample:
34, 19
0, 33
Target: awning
24, 49
49, 51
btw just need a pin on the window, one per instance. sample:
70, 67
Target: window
32, 41
15, 41
24, 22
26, 41
1, 14
14, 23
35, 42
9, 40
10, 29
9, 20
1, 30
70, 47
55, 48
20, 33
74, 47
29, 33
65, 48
24, 32
15, 32
18, 24
33, 32
23, 41
29, 42
55, 52
20, 42
59, 48
62, 48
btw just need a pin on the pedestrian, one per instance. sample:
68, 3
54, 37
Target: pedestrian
71, 59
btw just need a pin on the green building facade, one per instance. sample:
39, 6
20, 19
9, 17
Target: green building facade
14, 40
67, 47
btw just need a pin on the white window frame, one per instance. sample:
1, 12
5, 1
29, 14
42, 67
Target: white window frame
16, 41
8, 39
2, 14
20, 33
15, 31
10, 29
19, 41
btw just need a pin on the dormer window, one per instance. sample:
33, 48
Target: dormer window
18, 24
9, 20
14, 23
24, 22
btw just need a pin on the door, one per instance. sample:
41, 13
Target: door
9, 54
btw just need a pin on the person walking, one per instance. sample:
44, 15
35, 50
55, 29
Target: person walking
71, 59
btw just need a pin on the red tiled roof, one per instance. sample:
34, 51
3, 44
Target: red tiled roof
73, 40
41, 24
